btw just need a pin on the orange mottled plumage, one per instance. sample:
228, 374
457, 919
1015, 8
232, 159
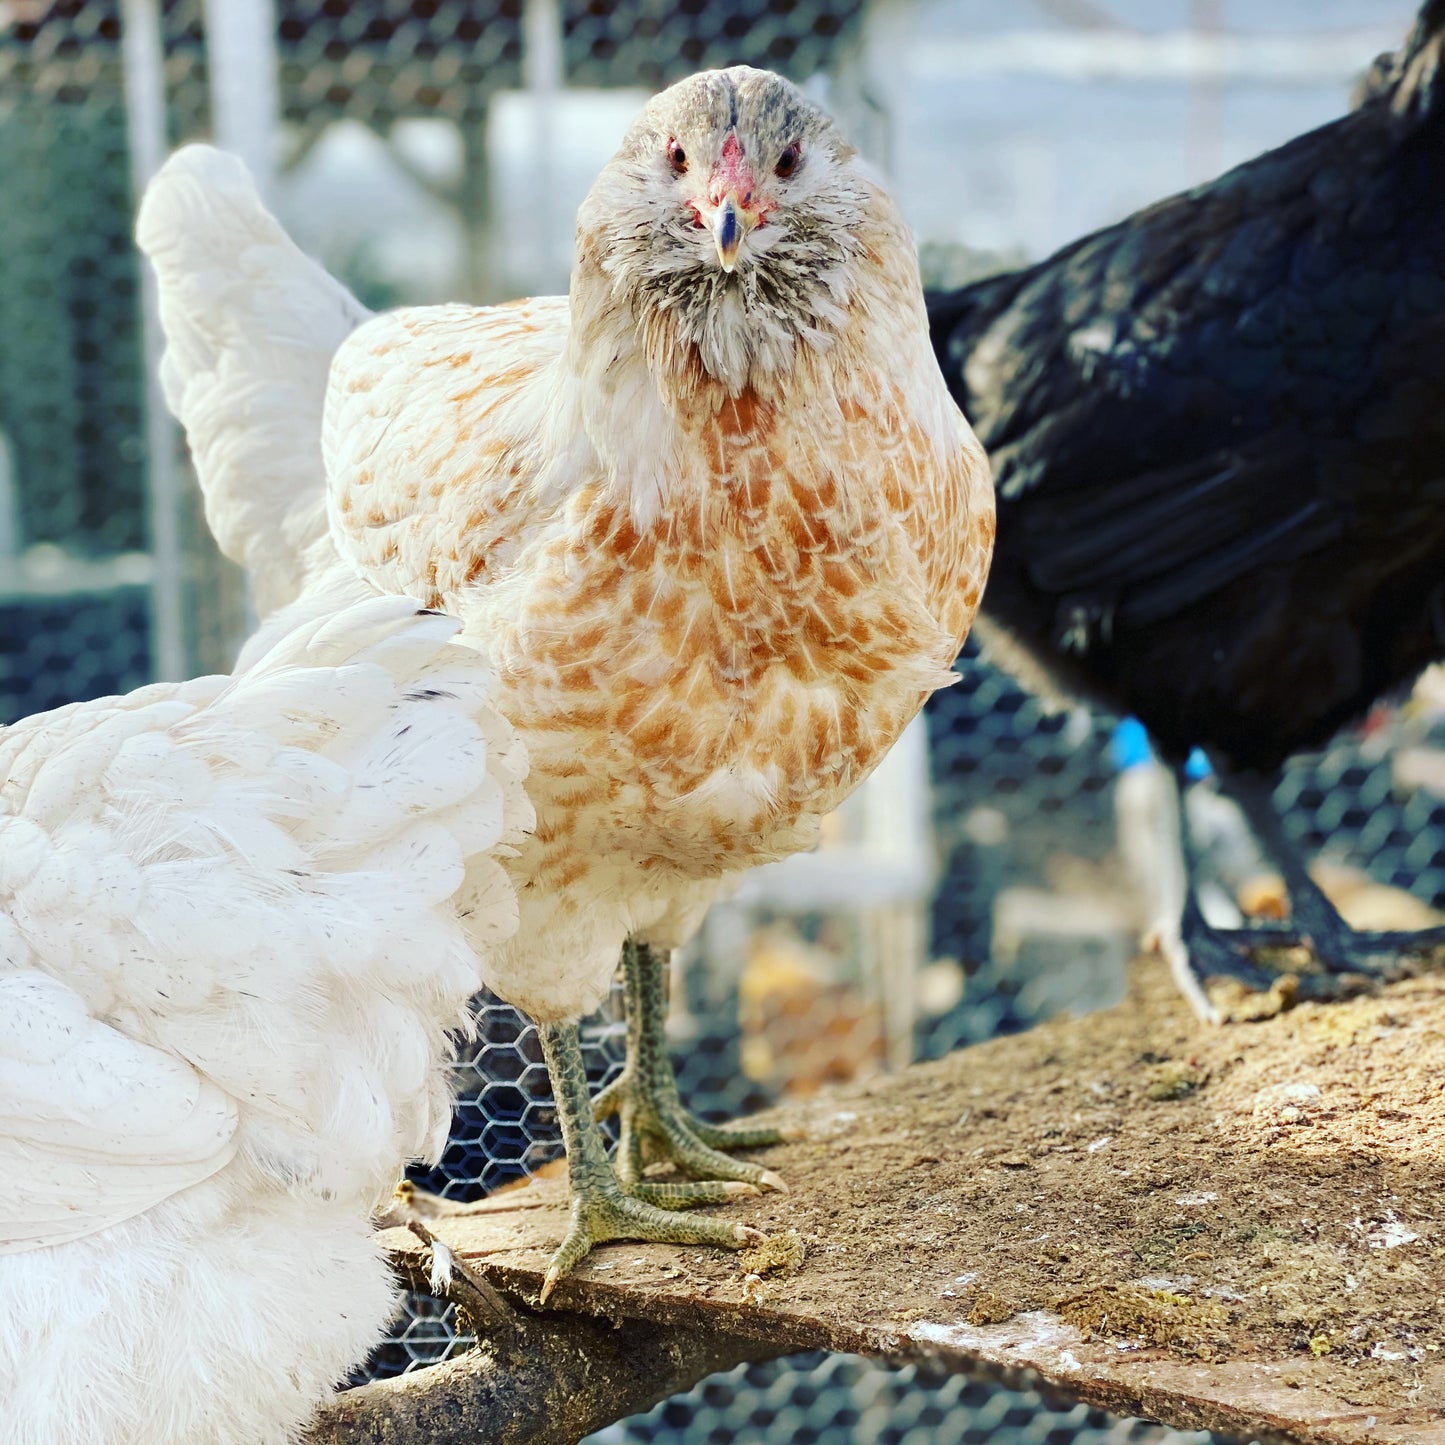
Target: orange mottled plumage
698, 681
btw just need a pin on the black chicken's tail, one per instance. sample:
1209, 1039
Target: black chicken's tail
1421, 83
1409, 80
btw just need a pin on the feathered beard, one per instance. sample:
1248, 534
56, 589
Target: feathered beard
796, 287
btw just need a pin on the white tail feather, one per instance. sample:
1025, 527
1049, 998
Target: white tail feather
251, 325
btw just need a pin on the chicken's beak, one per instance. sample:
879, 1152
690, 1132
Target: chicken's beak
731, 221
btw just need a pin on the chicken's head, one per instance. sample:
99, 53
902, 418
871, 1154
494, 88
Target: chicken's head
731, 227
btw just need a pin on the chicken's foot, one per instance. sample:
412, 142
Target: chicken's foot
1314, 920
1203, 951
601, 1209
654, 1125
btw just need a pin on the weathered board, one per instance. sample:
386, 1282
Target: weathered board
1239, 1228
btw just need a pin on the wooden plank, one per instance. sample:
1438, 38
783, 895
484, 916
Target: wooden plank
1237, 1229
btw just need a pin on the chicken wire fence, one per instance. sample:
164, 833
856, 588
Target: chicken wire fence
434, 149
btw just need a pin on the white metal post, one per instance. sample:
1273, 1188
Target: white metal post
543, 77
145, 103
245, 87
245, 94
9, 503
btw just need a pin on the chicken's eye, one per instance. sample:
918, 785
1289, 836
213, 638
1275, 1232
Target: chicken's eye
788, 161
676, 157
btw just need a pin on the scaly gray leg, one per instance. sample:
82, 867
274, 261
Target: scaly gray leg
601, 1210
655, 1126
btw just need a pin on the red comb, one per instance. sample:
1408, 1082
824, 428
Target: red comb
732, 171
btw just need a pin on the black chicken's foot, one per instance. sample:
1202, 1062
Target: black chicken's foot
1314, 921
1198, 950
1340, 949
1208, 952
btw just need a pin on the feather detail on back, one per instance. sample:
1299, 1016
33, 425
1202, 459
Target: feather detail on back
232, 871
251, 324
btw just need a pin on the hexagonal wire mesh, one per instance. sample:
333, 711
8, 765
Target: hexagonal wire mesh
830, 1400
413, 93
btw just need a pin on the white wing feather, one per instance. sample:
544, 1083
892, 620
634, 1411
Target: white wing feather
228, 922
251, 325
94, 1127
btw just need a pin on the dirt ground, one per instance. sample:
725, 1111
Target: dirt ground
1269, 1187
1246, 1221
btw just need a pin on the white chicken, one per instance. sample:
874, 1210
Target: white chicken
713, 515
230, 959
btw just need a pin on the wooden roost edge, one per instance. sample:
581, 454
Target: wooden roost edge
1236, 1229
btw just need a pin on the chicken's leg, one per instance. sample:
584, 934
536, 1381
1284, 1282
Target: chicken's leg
1314, 921
601, 1209
655, 1126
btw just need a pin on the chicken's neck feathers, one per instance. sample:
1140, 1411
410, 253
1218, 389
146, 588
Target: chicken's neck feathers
642, 392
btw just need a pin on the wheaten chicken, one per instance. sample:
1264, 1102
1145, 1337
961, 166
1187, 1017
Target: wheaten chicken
713, 516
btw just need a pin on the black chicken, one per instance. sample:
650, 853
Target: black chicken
1218, 438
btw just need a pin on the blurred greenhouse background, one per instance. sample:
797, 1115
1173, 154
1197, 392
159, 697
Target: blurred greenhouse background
431, 149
